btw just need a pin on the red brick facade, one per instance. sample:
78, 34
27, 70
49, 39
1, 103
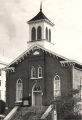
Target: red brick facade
50, 67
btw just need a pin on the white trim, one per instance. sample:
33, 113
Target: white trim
39, 72
19, 101
40, 41
17, 90
59, 83
40, 91
11, 113
33, 78
38, 47
33, 72
33, 33
36, 78
2, 116
77, 68
41, 20
39, 78
57, 76
47, 33
40, 32
33, 97
8, 68
46, 113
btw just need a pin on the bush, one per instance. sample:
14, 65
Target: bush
66, 106
2, 107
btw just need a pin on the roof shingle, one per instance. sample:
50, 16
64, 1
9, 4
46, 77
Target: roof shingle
39, 16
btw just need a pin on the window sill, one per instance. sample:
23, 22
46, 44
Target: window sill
18, 103
36, 78
37, 91
33, 78
39, 77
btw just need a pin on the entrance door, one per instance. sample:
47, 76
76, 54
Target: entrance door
36, 95
38, 99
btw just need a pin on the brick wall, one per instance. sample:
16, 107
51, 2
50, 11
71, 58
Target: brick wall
50, 66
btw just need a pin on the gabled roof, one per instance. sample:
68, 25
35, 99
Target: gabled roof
40, 16
62, 59
38, 47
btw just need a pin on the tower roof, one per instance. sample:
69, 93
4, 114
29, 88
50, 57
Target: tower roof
40, 16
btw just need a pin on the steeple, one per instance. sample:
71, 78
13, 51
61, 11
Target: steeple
40, 28
41, 6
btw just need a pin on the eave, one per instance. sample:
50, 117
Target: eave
12, 69
71, 63
41, 20
27, 52
63, 60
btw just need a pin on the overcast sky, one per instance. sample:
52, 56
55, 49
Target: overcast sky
65, 14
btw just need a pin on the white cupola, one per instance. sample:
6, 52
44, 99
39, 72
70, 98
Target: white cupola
40, 29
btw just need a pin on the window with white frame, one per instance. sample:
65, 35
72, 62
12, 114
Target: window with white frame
46, 33
33, 72
49, 35
39, 72
33, 34
57, 86
19, 90
39, 33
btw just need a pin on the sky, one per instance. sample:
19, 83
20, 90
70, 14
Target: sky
65, 14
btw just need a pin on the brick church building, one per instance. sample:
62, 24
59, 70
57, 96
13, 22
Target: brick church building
39, 74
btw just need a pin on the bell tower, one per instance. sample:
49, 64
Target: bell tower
40, 29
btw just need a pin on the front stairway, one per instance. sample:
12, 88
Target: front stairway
11, 113
32, 113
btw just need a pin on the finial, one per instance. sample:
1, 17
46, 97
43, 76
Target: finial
41, 6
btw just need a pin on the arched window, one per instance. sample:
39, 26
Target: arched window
33, 34
36, 87
33, 72
39, 33
49, 35
46, 33
19, 90
57, 87
39, 72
